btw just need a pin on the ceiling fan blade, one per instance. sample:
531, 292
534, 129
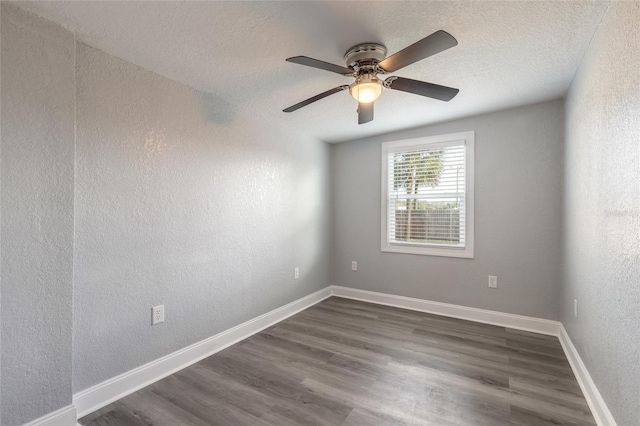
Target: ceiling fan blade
315, 63
365, 112
316, 98
428, 46
421, 88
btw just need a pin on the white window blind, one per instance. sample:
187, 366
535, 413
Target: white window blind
426, 196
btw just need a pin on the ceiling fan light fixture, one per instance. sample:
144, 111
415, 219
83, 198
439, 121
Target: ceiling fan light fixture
366, 90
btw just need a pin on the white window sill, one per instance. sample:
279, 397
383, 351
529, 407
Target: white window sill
466, 253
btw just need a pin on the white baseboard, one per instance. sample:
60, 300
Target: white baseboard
118, 387
65, 416
520, 322
597, 405
104, 393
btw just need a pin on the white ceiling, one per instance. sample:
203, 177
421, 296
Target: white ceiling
509, 53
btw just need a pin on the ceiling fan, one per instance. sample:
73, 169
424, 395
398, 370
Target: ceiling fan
366, 61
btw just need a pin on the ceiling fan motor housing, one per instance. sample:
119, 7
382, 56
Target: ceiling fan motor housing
365, 54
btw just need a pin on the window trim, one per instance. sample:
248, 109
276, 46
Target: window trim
433, 250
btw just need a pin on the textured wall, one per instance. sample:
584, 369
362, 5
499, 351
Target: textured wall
37, 215
602, 216
182, 201
518, 184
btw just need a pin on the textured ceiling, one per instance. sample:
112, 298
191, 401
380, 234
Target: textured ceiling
509, 53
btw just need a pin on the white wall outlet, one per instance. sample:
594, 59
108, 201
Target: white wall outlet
354, 265
157, 314
493, 281
296, 273
575, 308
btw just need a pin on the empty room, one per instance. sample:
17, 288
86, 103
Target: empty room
320, 213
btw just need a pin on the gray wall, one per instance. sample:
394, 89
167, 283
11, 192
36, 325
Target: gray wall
602, 216
518, 186
183, 201
37, 216
179, 200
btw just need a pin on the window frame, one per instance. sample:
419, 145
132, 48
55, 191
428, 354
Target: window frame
422, 249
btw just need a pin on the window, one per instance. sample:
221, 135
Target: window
427, 195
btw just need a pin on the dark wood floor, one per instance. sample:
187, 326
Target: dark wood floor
344, 362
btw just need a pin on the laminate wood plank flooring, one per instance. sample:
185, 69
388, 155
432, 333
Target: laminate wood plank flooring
345, 362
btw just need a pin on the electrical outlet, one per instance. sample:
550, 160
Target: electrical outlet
157, 314
575, 308
493, 281
296, 273
354, 265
